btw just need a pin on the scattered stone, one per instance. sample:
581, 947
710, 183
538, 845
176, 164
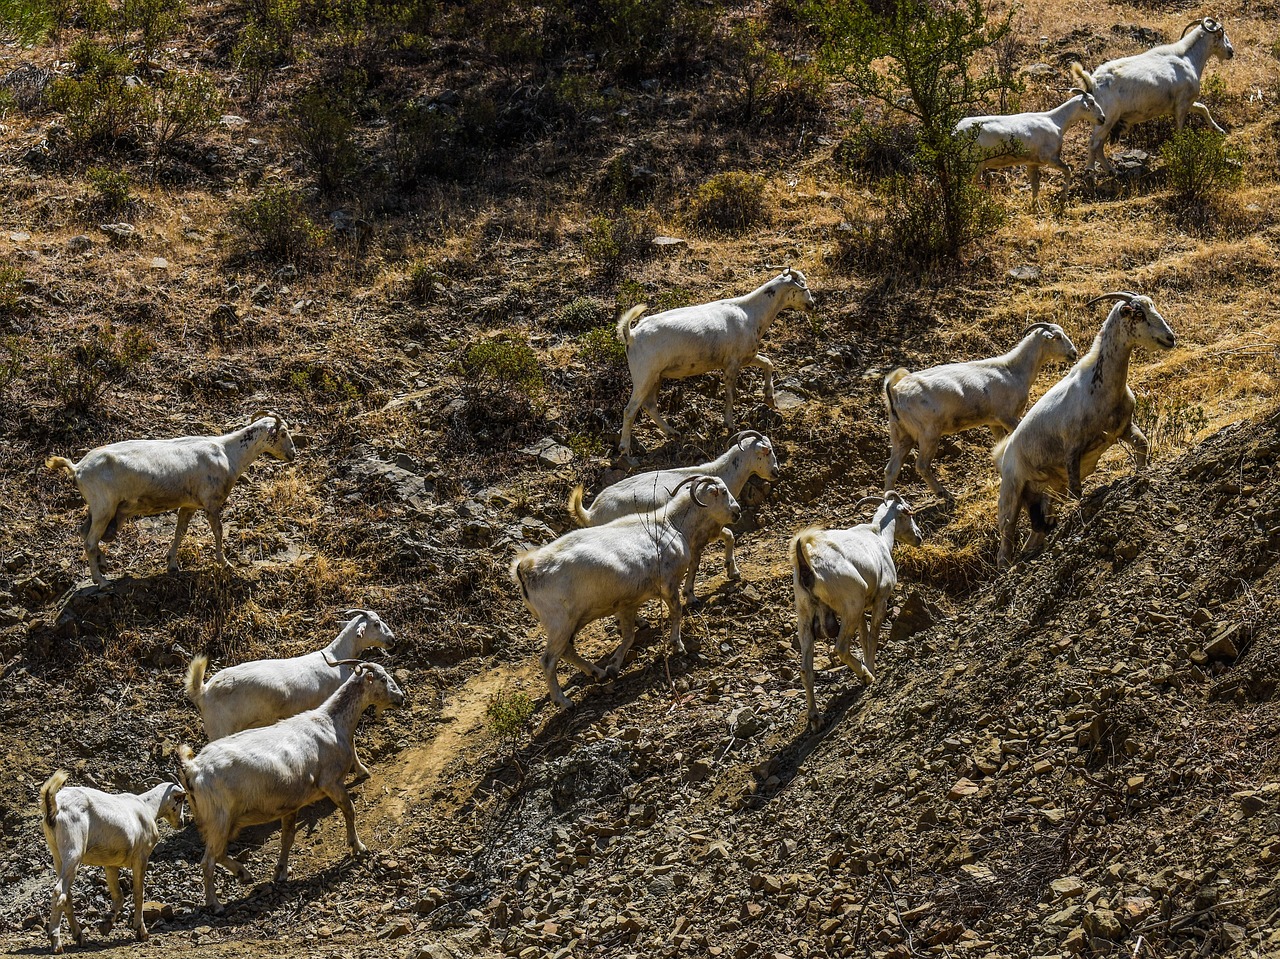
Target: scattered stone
121, 231
786, 400
962, 789
79, 243
21, 236
159, 263
1024, 274
1068, 887
666, 244
233, 122
549, 453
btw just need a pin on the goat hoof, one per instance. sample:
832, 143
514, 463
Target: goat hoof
57, 948
611, 672
104, 927
143, 935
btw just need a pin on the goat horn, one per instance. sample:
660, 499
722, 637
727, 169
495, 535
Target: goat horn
355, 612
1117, 295
682, 484
894, 496
342, 662
701, 482
259, 414
868, 499
1037, 326
1193, 23
744, 435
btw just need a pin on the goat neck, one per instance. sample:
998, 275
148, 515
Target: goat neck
1195, 48
1109, 355
733, 466
1027, 358
344, 644
347, 705
1065, 115
885, 524
154, 798
763, 305
244, 446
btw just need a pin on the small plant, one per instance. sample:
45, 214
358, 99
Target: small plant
1199, 163
185, 110
424, 283
13, 355
112, 193
102, 109
729, 203
507, 364
320, 125
154, 21
579, 314
508, 714
11, 281
608, 379
610, 243
1169, 423
100, 360
875, 150
275, 226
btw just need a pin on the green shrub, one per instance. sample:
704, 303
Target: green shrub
275, 226
1168, 422
422, 142
101, 108
112, 193
875, 150
508, 713
320, 125
12, 279
507, 364
729, 203
154, 20
578, 315
185, 110
13, 355
101, 359
423, 281
1199, 163
610, 243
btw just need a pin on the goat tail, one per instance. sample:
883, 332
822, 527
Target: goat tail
576, 510
195, 679
625, 321
890, 382
999, 452
519, 570
60, 462
49, 796
1083, 77
804, 571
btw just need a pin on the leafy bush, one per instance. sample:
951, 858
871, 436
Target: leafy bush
112, 195
1199, 163
610, 243
11, 280
918, 57
875, 150
770, 85
1168, 422
423, 281
101, 359
13, 355
320, 125
275, 226
154, 20
504, 384
102, 107
579, 314
729, 203
508, 713
185, 110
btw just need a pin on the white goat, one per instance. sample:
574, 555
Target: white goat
750, 454
723, 335
939, 401
612, 570
146, 477
261, 775
840, 576
1030, 139
1162, 81
262, 692
1059, 441
113, 830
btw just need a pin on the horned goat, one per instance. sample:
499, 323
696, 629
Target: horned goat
843, 575
1030, 139
262, 692
939, 401
146, 477
1162, 81
1059, 441
723, 335
94, 828
261, 775
750, 453
613, 569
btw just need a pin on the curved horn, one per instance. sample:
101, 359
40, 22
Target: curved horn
342, 662
1117, 295
744, 435
1037, 326
259, 414
869, 499
1193, 23
682, 484
701, 482
355, 612
894, 496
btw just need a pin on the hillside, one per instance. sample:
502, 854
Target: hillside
411, 238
